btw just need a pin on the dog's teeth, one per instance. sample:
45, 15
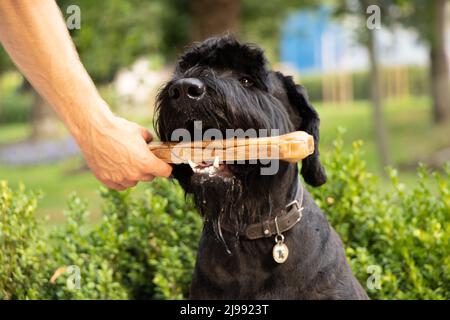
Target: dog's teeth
216, 162
192, 164
212, 171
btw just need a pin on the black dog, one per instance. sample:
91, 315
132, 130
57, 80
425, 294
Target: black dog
226, 84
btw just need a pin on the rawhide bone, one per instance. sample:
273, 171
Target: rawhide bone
291, 147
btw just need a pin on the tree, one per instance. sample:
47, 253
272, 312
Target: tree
261, 21
439, 70
251, 20
114, 33
367, 37
428, 19
381, 134
214, 17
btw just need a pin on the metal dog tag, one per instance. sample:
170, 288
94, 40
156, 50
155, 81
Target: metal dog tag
280, 250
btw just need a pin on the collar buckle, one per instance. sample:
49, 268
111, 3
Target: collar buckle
298, 208
294, 203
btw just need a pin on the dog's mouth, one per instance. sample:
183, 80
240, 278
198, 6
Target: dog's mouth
214, 170
211, 169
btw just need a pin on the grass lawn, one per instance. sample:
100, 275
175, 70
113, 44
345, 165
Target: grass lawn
411, 135
13, 132
57, 182
411, 132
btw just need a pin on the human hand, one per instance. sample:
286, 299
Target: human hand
115, 149
117, 153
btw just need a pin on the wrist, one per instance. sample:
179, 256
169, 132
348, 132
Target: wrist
92, 119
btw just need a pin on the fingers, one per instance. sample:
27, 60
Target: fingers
146, 134
119, 186
120, 159
128, 184
113, 185
147, 177
156, 167
125, 184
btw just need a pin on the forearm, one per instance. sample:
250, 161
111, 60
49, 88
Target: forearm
34, 34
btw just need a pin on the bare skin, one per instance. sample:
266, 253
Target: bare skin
35, 36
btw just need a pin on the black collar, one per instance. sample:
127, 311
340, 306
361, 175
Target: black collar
283, 222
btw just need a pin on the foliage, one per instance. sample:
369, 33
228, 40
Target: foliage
115, 33
142, 248
145, 247
15, 106
405, 232
261, 22
20, 244
358, 11
5, 62
416, 14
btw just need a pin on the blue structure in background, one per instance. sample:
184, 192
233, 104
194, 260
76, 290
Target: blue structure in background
313, 43
301, 39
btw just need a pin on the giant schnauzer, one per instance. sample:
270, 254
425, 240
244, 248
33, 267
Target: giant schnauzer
253, 222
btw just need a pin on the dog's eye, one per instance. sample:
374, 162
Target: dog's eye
246, 82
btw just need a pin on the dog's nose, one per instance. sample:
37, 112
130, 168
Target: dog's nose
192, 88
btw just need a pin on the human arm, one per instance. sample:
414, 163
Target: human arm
35, 36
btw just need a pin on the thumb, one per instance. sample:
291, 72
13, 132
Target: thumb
154, 166
157, 167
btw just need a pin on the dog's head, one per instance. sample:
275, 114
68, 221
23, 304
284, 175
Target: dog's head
227, 85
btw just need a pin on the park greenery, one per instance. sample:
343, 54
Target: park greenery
144, 246
141, 243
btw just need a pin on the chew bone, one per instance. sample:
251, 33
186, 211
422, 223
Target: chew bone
291, 147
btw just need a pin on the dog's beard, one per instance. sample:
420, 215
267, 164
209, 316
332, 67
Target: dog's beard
219, 200
233, 202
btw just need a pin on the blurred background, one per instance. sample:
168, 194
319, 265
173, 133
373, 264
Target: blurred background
388, 86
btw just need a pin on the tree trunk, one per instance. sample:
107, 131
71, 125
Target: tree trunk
43, 119
381, 136
440, 83
213, 17
1, 90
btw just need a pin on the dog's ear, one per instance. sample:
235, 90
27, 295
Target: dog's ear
308, 120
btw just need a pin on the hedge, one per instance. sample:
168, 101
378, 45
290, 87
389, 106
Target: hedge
145, 246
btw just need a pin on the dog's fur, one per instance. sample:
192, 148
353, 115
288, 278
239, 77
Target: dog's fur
316, 267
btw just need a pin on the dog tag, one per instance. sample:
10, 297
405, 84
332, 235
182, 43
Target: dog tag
280, 252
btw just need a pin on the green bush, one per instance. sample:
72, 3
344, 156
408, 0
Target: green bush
405, 233
144, 247
20, 245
